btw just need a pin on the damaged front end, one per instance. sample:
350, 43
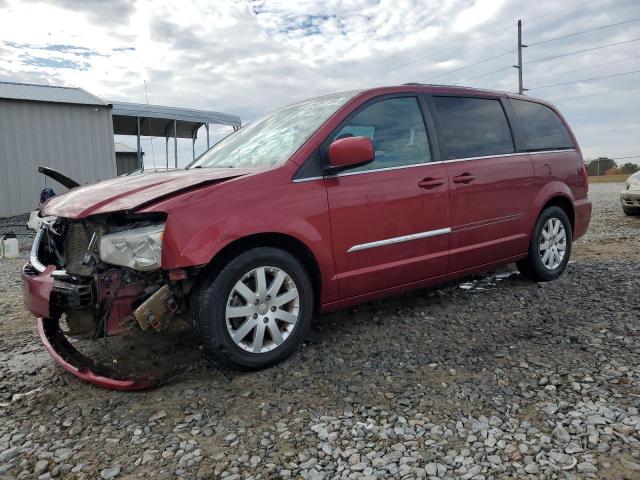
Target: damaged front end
100, 277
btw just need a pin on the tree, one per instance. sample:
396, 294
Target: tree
599, 166
629, 168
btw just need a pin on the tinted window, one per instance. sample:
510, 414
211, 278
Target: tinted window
542, 128
395, 127
472, 127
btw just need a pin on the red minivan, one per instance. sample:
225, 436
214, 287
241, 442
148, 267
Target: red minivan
323, 204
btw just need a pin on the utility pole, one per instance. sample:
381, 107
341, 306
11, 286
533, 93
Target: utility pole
521, 89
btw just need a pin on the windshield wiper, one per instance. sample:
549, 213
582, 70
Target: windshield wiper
215, 166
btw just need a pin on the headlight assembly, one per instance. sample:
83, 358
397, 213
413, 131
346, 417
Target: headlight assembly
138, 248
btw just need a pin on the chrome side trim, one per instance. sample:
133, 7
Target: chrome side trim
386, 169
33, 256
399, 167
308, 179
553, 151
517, 154
404, 238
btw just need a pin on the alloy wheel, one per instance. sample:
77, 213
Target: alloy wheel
262, 309
553, 243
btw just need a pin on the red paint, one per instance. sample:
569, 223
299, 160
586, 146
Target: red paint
490, 204
122, 297
82, 367
350, 151
395, 195
177, 274
127, 193
36, 291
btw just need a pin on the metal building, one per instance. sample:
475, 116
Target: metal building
63, 128
72, 131
126, 158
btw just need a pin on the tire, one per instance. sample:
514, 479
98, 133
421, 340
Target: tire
631, 211
267, 332
537, 266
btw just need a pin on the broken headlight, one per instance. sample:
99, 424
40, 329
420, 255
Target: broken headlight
138, 248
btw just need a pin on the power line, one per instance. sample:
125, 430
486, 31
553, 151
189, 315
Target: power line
583, 32
483, 35
432, 57
597, 94
580, 51
625, 158
469, 65
584, 68
585, 80
538, 43
486, 74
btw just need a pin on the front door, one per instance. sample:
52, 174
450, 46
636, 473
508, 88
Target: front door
491, 186
389, 219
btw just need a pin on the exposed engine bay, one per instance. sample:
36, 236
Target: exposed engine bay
106, 280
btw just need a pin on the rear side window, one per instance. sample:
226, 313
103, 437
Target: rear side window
472, 127
396, 128
541, 126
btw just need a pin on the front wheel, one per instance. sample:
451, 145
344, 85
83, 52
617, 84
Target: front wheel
550, 246
257, 309
631, 211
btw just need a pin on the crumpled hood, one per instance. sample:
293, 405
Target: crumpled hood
135, 191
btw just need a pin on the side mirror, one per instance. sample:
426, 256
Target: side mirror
349, 153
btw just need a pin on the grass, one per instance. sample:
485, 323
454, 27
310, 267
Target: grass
609, 178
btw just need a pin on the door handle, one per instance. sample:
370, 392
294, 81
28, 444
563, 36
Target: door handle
430, 182
464, 178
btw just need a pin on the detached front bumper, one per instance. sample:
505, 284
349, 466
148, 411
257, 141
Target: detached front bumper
38, 284
83, 367
36, 288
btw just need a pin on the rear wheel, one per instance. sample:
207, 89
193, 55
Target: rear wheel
256, 311
550, 246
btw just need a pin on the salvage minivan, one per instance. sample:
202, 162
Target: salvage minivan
320, 205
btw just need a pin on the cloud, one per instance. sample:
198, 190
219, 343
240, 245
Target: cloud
102, 12
252, 56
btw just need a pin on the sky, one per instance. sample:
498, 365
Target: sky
249, 57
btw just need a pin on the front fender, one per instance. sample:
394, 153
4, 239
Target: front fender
201, 223
205, 244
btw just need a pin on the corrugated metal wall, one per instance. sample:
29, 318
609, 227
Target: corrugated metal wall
126, 162
75, 139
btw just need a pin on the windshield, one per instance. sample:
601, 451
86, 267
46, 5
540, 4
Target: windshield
271, 140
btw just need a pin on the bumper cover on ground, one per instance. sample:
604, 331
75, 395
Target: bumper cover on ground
83, 367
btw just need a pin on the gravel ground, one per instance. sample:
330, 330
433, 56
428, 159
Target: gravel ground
490, 377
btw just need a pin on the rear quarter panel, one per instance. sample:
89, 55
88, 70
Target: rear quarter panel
560, 173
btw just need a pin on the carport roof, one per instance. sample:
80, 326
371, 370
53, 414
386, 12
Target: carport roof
157, 121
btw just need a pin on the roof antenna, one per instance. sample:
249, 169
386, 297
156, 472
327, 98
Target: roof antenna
153, 156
